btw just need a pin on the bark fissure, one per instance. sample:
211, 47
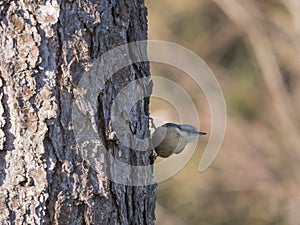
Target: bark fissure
45, 178
7, 136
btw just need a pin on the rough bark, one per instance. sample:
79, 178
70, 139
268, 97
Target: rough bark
46, 48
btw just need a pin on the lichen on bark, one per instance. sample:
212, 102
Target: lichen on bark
47, 46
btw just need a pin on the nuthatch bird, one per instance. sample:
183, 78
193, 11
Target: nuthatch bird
172, 138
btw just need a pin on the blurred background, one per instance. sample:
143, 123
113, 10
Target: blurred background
253, 48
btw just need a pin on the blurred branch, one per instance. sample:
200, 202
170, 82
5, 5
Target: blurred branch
288, 44
242, 13
294, 7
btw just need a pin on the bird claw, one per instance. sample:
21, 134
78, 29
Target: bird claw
152, 158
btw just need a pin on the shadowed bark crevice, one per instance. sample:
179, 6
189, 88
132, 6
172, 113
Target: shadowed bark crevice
48, 48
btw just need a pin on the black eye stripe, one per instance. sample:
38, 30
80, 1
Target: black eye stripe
180, 127
171, 125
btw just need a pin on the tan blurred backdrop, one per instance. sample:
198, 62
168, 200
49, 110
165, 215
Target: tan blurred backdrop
252, 46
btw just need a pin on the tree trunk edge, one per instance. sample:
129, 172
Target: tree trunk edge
43, 179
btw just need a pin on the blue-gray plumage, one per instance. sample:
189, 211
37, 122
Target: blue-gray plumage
172, 138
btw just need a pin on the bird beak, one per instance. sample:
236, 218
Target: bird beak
201, 133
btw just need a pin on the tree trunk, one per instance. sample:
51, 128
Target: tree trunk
47, 48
